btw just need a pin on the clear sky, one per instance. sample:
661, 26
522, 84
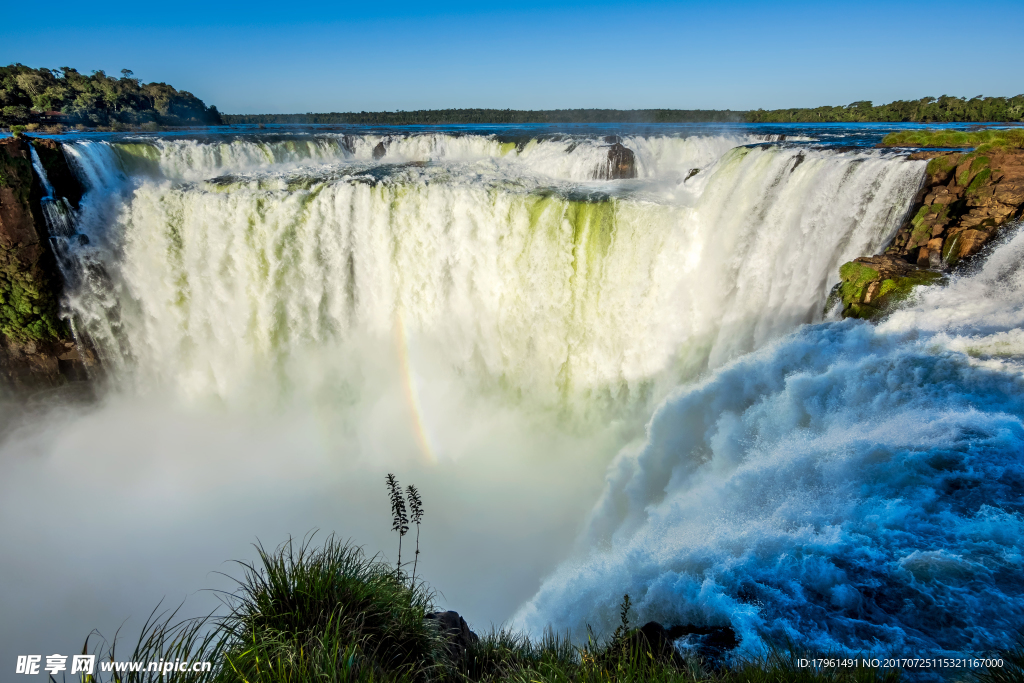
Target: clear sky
262, 57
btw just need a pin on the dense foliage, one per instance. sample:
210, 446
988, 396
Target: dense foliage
30, 95
927, 110
484, 116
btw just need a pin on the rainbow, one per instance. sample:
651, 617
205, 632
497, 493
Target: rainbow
409, 384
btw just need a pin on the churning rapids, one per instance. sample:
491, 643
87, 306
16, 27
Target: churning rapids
283, 317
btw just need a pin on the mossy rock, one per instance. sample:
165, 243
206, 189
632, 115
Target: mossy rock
891, 293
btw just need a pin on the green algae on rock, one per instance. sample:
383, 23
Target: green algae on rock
36, 346
872, 285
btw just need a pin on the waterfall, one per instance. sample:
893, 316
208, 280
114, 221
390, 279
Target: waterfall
37, 164
283, 319
852, 488
224, 264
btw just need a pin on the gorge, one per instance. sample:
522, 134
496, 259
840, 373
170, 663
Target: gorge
533, 319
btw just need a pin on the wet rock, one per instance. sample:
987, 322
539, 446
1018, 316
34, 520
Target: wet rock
379, 151
693, 172
965, 200
32, 336
871, 285
621, 164
455, 628
58, 171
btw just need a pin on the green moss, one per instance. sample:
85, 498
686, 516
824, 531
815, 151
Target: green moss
979, 181
943, 164
28, 309
857, 274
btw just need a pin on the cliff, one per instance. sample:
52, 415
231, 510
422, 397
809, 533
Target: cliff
36, 346
965, 200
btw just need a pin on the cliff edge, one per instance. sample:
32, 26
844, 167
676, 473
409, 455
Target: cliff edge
965, 200
36, 346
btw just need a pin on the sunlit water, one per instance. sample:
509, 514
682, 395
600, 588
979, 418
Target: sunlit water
283, 318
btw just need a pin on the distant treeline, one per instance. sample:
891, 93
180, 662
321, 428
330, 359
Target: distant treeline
456, 116
924, 110
944, 109
65, 96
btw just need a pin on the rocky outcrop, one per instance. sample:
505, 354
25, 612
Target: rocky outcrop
58, 172
379, 151
965, 199
872, 285
456, 631
963, 203
36, 347
621, 164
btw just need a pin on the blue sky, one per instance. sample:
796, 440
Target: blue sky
262, 57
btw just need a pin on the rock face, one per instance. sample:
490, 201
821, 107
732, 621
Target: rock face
456, 630
36, 348
871, 285
966, 198
621, 164
379, 151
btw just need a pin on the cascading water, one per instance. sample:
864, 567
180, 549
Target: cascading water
57, 212
236, 263
849, 488
297, 314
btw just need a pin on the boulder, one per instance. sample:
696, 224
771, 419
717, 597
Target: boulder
379, 151
871, 285
455, 629
621, 164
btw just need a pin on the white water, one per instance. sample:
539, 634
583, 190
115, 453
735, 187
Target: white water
283, 322
263, 285
849, 488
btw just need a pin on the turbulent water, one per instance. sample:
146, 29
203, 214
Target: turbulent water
213, 267
293, 311
850, 487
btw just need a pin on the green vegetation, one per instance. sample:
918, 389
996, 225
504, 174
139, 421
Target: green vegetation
857, 278
487, 116
927, 110
330, 614
29, 311
991, 139
34, 96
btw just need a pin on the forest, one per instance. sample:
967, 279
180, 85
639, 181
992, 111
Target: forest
943, 109
65, 96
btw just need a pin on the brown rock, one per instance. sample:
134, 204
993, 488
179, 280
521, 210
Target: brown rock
32, 335
621, 164
971, 242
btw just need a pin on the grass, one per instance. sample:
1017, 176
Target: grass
994, 139
330, 614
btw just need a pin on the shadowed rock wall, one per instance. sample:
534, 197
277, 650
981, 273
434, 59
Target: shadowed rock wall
36, 346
